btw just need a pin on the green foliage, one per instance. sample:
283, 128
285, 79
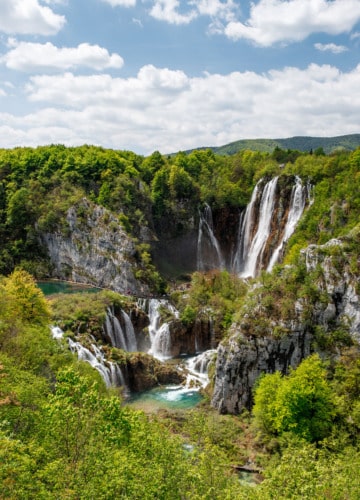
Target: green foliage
29, 303
301, 403
84, 312
217, 294
305, 471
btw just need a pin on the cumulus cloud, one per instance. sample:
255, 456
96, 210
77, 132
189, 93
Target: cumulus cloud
274, 21
168, 110
121, 3
27, 17
35, 57
330, 47
167, 10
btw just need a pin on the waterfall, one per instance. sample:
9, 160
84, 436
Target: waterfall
253, 248
122, 338
159, 332
198, 369
131, 344
208, 249
297, 205
263, 227
110, 372
246, 224
56, 332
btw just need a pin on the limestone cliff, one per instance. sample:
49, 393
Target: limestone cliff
279, 342
92, 247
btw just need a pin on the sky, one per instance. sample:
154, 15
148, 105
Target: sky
172, 75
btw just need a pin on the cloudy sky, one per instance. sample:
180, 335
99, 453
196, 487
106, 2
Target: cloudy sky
171, 75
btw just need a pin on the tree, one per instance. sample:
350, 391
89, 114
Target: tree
301, 403
28, 301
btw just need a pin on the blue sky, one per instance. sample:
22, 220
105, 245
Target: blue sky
171, 75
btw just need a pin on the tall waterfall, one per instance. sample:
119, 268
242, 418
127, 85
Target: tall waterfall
122, 337
253, 245
297, 205
209, 254
268, 223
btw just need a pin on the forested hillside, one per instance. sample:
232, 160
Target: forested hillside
300, 143
284, 392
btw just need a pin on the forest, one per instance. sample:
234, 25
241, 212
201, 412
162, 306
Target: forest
65, 434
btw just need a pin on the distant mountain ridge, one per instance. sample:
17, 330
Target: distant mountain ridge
299, 143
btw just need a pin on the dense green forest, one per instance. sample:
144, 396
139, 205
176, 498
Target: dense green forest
300, 143
64, 435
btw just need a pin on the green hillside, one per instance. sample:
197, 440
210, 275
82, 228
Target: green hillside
300, 143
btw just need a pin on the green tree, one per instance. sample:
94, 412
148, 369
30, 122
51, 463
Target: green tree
301, 403
28, 301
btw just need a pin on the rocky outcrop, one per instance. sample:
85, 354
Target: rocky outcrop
241, 359
196, 338
340, 281
142, 372
93, 248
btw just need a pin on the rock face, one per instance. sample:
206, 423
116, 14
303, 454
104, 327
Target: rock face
241, 361
190, 340
340, 284
93, 248
244, 357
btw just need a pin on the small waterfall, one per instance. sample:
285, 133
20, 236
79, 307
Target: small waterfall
56, 332
110, 372
198, 369
96, 358
122, 338
131, 344
297, 205
159, 332
208, 249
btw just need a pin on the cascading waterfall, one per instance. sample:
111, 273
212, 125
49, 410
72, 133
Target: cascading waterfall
122, 338
297, 205
198, 368
110, 372
159, 332
209, 254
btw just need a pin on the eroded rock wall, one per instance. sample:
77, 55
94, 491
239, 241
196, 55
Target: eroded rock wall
93, 248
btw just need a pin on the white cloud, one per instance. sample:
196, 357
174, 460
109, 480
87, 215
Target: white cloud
330, 47
170, 111
215, 8
28, 17
167, 10
121, 3
273, 21
35, 57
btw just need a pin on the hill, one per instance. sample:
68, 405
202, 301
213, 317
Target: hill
299, 143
